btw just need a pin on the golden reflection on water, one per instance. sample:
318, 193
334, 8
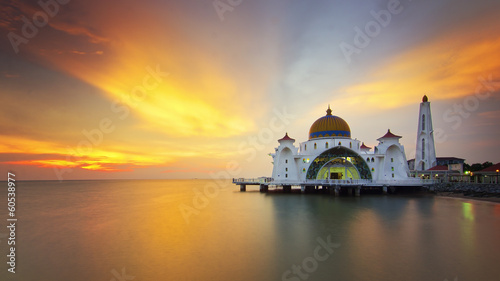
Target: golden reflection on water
87, 229
367, 240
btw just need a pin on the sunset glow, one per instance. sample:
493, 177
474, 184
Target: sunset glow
172, 90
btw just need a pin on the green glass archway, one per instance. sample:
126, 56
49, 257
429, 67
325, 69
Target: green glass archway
338, 168
339, 152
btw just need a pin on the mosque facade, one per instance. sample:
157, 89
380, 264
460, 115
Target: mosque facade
331, 154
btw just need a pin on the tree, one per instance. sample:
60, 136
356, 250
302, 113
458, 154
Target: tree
487, 164
477, 166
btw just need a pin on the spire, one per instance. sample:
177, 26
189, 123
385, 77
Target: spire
425, 152
363, 146
328, 111
389, 135
286, 137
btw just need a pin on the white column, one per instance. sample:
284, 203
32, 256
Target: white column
425, 152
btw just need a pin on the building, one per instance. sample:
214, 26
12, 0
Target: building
451, 164
425, 153
331, 154
426, 164
487, 175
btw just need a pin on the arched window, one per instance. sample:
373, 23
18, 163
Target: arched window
340, 143
368, 159
286, 169
315, 146
286, 175
305, 146
373, 160
350, 145
286, 160
326, 145
423, 122
423, 148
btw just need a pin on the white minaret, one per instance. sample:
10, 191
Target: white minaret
425, 155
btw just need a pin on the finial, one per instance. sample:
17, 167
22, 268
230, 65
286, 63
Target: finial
425, 99
328, 111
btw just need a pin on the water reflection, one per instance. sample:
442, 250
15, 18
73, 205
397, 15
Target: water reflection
468, 211
84, 230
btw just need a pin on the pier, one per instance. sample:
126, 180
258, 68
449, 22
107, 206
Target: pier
352, 187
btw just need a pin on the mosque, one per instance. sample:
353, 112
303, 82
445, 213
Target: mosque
332, 159
331, 154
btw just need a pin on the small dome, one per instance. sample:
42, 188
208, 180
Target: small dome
425, 98
329, 126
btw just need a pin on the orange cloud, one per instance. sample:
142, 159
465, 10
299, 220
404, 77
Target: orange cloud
449, 67
89, 164
186, 170
495, 115
78, 29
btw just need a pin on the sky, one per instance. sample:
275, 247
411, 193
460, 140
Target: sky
204, 89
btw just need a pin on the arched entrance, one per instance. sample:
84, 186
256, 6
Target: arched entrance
334, 160
338, 169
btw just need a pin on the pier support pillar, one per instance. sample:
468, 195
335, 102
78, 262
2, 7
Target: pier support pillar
357, 191
393, 189
308, 189
287, 188
243, 187
350, 191
263, 188
384, 189
337, 191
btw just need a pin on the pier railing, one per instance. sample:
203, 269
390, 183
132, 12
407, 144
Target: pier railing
343, 182
265, 180
416, 181
253, 180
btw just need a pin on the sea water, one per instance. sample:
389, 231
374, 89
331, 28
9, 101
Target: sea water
204, 230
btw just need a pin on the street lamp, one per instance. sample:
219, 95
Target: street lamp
497, 175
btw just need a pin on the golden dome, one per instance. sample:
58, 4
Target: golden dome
329, 126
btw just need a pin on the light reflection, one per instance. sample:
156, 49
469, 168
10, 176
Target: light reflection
497, 210
468, 240
468, 211
368, 238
